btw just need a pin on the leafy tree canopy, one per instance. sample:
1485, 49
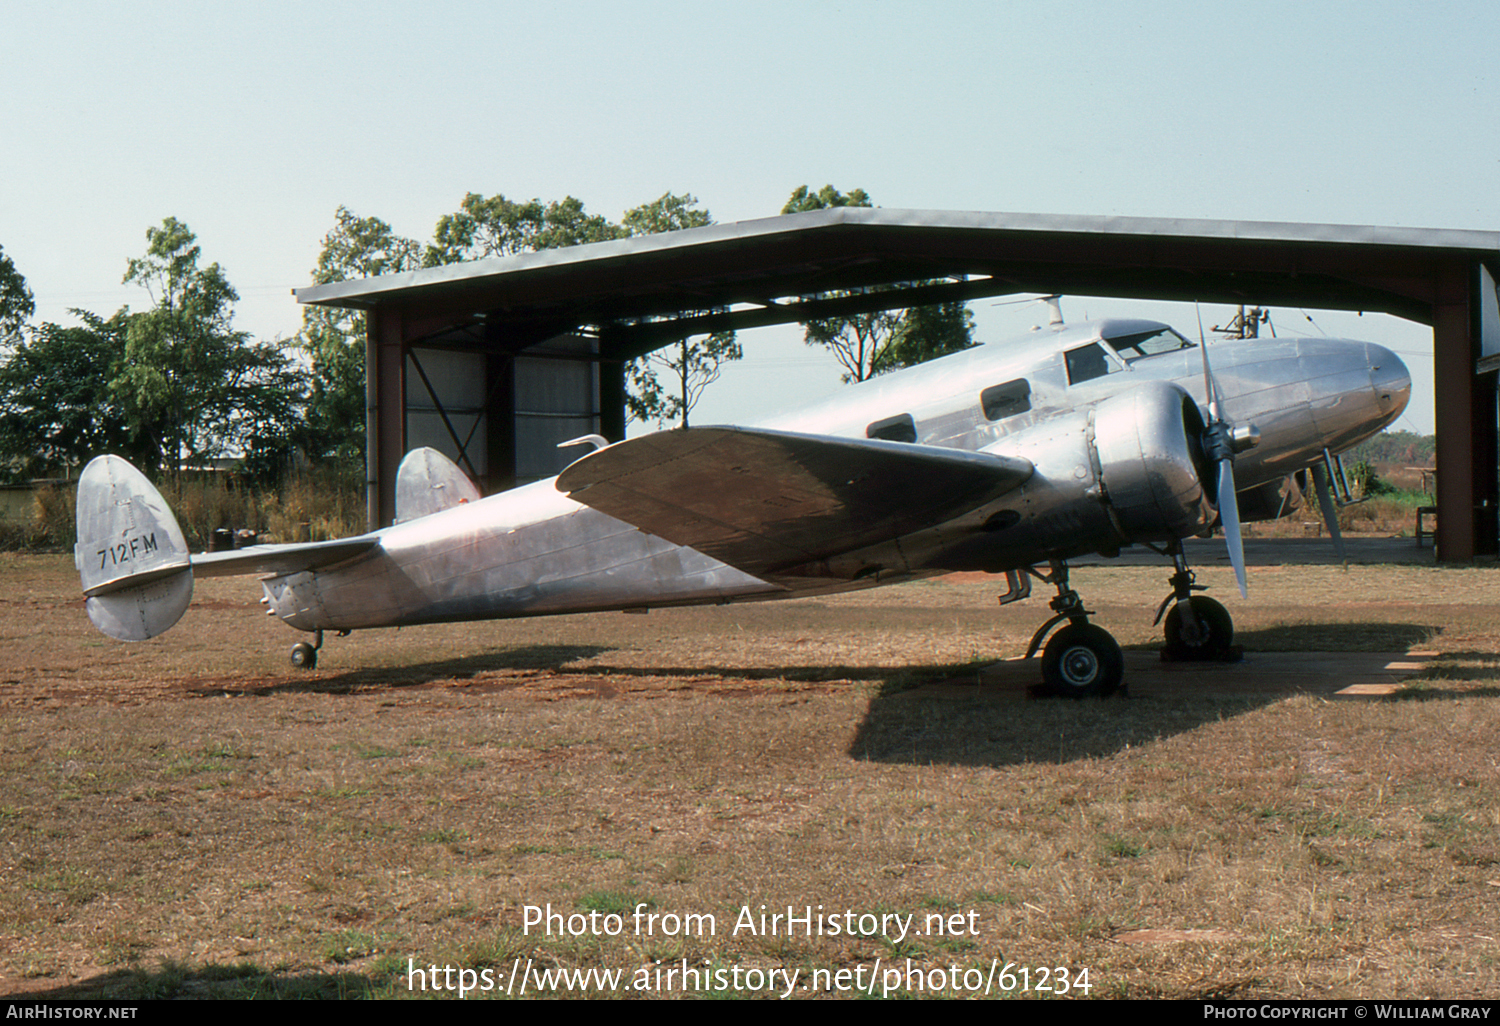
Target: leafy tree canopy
873, 343
189, 385
168, 386
494, 226
689, 366
804, 199
16, 301
57, 409
333, 339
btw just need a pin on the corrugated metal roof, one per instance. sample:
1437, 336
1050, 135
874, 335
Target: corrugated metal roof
368, 291
761, 268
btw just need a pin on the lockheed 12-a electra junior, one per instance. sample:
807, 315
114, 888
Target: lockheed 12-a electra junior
1011, 458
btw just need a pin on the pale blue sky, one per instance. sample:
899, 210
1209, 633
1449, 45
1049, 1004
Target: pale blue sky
253, 122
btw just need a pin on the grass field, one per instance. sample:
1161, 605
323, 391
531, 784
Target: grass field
190, 816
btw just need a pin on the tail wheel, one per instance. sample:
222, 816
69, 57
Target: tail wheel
1206, 638
1082, 660
304, 656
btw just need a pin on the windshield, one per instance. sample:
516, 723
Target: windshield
1148, 343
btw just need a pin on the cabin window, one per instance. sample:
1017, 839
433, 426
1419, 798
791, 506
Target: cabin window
1086, 363
1006, 400
894, 429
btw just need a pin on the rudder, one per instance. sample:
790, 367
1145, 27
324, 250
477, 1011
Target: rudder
131, 556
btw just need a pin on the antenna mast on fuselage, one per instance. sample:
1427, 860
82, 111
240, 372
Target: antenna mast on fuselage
1246, 323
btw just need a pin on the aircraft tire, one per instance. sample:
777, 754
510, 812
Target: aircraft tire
304, 656
1081, 661
1208, 640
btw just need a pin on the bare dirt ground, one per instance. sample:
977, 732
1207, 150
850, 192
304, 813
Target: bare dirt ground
191, 816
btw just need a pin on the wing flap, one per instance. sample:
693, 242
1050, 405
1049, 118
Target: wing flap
763, 501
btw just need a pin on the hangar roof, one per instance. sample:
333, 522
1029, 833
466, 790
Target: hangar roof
642, 292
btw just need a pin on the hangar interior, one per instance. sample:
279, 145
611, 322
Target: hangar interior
494, 362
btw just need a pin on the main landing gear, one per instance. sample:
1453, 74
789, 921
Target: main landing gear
1082, 660
305, 656
1198, 629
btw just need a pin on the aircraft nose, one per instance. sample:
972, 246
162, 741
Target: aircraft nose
1389, 378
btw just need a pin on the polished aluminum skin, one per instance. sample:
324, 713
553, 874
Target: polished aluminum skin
131, 556
1079, 440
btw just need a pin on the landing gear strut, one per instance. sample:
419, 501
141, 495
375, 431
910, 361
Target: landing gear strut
1198, 629
1081, 660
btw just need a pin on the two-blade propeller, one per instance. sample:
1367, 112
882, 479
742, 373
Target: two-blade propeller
1221, 440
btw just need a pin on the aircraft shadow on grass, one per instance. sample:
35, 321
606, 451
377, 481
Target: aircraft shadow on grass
243, 981
1338, 637
910, 721
374, 678
952, 729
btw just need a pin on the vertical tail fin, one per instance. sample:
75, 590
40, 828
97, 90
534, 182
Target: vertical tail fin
428, 482
131, 556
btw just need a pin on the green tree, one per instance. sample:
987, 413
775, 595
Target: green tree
16, 301
690, 366
927, 332
57, 410
803, 199
485, 227
333, 339
190, 385
873, 343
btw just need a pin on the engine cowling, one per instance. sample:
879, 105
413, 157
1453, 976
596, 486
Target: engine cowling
1156, 482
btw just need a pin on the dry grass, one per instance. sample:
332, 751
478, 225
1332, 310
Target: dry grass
310, 504
190, 816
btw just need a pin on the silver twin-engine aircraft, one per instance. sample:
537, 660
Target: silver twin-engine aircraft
1010, 458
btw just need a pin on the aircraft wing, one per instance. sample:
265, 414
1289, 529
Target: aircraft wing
763, 501
281, 559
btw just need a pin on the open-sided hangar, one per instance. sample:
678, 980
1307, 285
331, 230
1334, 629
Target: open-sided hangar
496, 361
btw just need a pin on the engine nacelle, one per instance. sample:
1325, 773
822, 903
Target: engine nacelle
1155, 481
1122, 469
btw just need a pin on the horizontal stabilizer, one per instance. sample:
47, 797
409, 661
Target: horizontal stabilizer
281, 559
763, 501
133, 560
131, 556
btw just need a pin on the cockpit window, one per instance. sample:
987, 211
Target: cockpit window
1087, 363
1148, 343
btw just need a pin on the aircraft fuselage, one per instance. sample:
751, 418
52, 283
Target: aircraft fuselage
1110, 415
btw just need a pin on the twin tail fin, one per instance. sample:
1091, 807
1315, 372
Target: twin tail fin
131, 556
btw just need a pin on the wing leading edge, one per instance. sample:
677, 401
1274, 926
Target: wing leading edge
766, 501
